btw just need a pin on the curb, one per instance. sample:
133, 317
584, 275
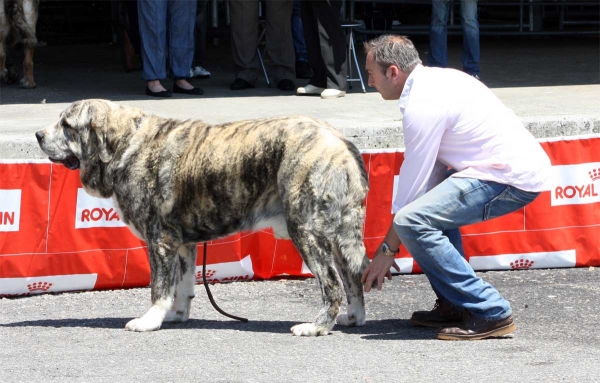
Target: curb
362, 134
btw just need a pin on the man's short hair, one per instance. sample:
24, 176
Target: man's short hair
393, 50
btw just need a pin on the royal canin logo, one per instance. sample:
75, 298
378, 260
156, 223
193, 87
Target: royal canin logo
210, 277
10, 209
7, 218
575, 184
95, 212
572, 191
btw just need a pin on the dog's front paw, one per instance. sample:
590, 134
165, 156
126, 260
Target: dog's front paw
309, 329
143, 324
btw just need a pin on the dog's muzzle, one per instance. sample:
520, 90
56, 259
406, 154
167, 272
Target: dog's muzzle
70, 161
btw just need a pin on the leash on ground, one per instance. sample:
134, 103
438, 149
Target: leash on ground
212, 301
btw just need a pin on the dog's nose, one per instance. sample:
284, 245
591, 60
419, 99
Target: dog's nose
39, 135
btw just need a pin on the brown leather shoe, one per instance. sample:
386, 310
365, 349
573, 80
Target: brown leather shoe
474, 328
444, 314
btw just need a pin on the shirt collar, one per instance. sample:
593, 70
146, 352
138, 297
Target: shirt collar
403, 101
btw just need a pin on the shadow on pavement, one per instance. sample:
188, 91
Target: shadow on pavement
385, 329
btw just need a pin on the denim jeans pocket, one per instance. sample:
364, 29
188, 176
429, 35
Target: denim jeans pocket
509, 200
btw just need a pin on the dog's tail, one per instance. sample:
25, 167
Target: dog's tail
360, 182
348, 244
349, 238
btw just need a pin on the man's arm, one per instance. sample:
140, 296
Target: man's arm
420, 172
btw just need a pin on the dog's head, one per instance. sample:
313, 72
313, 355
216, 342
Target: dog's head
80, 135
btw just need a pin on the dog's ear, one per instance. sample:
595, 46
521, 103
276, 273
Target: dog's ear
99, 129
92, 119
106, 154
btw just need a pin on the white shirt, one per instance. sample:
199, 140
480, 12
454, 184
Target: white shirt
452, 120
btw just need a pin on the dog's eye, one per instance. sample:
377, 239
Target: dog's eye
67, 127
68, 130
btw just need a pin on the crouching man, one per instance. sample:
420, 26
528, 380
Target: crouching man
468, 159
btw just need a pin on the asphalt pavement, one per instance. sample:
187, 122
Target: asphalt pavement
80, 337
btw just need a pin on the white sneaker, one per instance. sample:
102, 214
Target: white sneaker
333, 93
199, 72
309, 89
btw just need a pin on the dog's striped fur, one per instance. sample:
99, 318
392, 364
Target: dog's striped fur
18, 19
181, 182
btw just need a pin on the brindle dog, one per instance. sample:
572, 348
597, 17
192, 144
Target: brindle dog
181, 182
18, 19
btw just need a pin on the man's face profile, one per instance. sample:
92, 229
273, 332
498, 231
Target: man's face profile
385, 81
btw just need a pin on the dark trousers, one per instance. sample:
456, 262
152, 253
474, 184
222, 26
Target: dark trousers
279, 45
200, 32
325, 43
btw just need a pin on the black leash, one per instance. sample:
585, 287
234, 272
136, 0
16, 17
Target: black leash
210, 295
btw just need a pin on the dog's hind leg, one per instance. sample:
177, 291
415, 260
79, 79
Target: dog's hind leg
184, 292
317, 254
351, 261
162, 252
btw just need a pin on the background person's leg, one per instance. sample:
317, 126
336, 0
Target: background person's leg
302, 67
298, 34
244, 39
438, 39
470, 28
200, 33
310, 26
332, 43
279, 42
152, 18
182, 19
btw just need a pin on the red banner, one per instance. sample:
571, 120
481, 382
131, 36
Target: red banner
55, 237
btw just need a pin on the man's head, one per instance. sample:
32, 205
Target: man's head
390, 60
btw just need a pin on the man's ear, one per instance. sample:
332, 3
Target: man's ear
394, 71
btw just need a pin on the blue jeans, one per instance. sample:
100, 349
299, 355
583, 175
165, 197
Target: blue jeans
429, 229
161, 20
438, 42
298, 34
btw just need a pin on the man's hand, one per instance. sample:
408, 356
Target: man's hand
377, 270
